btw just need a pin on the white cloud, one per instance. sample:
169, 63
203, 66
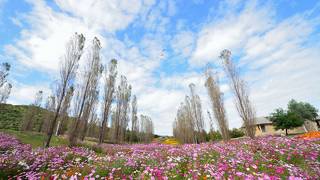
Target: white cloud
161, 104
230, 32
277, 59
183, 43
109, 15
24, 94
43, 44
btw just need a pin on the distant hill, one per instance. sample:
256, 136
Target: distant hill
11, 116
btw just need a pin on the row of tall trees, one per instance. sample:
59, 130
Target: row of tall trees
188, 125
145, 131
73, 107
86, 92
120, 117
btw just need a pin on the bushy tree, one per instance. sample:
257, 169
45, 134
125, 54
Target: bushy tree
236, 133
285, 120
303, 110
214, 135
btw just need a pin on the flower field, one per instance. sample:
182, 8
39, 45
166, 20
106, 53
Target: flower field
265, 158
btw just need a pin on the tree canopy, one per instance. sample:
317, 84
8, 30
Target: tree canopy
285, 120
303, 110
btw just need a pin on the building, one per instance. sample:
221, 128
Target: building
265, 127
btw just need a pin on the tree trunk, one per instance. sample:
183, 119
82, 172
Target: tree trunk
104, 124
58, 127
53, 122
40, 125
73, 134
84, 132
286, 132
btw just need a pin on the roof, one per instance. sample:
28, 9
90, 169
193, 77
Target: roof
262, 120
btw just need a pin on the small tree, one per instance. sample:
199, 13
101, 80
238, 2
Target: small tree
4, 72
214, 135
285, 120
5, 87
235, 133
5, 91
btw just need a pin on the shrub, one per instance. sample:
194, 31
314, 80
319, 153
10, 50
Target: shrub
235, 133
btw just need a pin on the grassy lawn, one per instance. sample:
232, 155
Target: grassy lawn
35, 139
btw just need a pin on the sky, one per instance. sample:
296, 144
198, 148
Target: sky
163, 46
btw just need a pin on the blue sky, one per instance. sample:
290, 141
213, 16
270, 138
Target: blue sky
162, 46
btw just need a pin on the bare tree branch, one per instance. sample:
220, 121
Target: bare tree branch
241, 94
68, 69
216, 98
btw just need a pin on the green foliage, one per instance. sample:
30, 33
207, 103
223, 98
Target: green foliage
303, 110
285, 119
35, 139
214, 135
12, 116
297, 113
236, 133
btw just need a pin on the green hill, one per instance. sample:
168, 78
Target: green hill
11, 116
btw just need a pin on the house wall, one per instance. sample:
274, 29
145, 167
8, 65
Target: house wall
270, 130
